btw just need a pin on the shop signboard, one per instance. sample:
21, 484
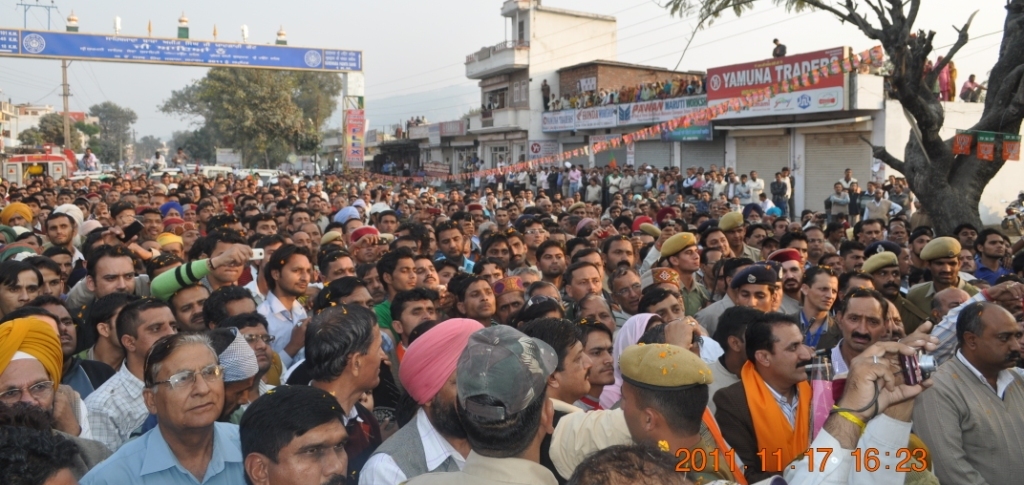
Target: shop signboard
542, 148
698, 131
453, 128
434, 135
421, 132
829, 94
552, 121
645, 112
599, 117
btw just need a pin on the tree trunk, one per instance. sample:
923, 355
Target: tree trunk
949, 186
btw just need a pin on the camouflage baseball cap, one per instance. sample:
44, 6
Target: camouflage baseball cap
503, 364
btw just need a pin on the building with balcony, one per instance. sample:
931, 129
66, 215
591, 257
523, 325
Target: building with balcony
512, 75
8, 115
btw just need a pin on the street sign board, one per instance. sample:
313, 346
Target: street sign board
116, 48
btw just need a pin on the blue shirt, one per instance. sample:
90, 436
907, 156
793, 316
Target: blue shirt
983, 273
148, 460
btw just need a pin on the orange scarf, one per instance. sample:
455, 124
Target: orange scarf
709, 421
771, 428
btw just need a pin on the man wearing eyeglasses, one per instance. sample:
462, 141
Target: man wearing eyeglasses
184, 388
30, 372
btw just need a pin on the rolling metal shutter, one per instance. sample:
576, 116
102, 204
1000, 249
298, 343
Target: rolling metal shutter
654, 153
581, 160
703, 153
765, 154
828, 155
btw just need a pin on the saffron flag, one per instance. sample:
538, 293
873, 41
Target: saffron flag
1011, 147
962, 142
986, 145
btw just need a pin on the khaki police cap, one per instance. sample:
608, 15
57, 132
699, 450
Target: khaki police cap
730, 221
878, 261
663, 367
677, 243
578, 205
650, 230
941, 247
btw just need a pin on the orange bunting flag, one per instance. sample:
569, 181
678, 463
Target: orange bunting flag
1011, 147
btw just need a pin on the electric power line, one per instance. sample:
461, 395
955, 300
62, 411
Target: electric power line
562, 52
390, 112
405, 78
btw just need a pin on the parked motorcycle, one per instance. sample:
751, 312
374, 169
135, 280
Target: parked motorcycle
1013, 223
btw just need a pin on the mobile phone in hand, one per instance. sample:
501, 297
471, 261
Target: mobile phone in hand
131, 231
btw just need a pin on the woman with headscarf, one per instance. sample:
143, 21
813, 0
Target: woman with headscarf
628, 335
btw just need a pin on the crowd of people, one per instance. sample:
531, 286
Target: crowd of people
345, 329
670, 88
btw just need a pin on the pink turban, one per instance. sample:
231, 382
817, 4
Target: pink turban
431, 359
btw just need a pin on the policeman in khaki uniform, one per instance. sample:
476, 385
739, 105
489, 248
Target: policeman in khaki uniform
678, 379
733, 221
695, 295
884, 269
941, 257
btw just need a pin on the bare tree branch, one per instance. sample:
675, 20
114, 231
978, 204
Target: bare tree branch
880, 13
850, 15
700, 26
882, 154
915, 7
960, 42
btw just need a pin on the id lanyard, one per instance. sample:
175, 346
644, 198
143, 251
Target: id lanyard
812, 340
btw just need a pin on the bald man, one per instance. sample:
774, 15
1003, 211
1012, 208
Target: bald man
947, 300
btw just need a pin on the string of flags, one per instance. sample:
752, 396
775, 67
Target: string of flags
873, 56
987, 143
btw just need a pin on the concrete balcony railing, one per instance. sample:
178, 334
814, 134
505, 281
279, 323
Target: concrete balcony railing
510, 118
498, 59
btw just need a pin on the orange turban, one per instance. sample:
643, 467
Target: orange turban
33, 337
16, 208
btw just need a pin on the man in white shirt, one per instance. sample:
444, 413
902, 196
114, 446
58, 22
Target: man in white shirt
434, 441
287, 277
847, 179
756, 185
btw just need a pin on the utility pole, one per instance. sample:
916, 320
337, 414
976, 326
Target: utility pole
66, 95
63, 63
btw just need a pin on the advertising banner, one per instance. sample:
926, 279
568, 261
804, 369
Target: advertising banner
542, 148
434, 136
645, 112
355, 137
819, 94
117, 48
552, 121
420, 132
600, 117
699, 131
453, 128
739, 79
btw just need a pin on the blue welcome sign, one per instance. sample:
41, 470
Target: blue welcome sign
115, 48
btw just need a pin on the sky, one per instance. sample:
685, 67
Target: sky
414, 51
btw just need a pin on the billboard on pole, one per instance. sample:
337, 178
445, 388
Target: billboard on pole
355, 137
